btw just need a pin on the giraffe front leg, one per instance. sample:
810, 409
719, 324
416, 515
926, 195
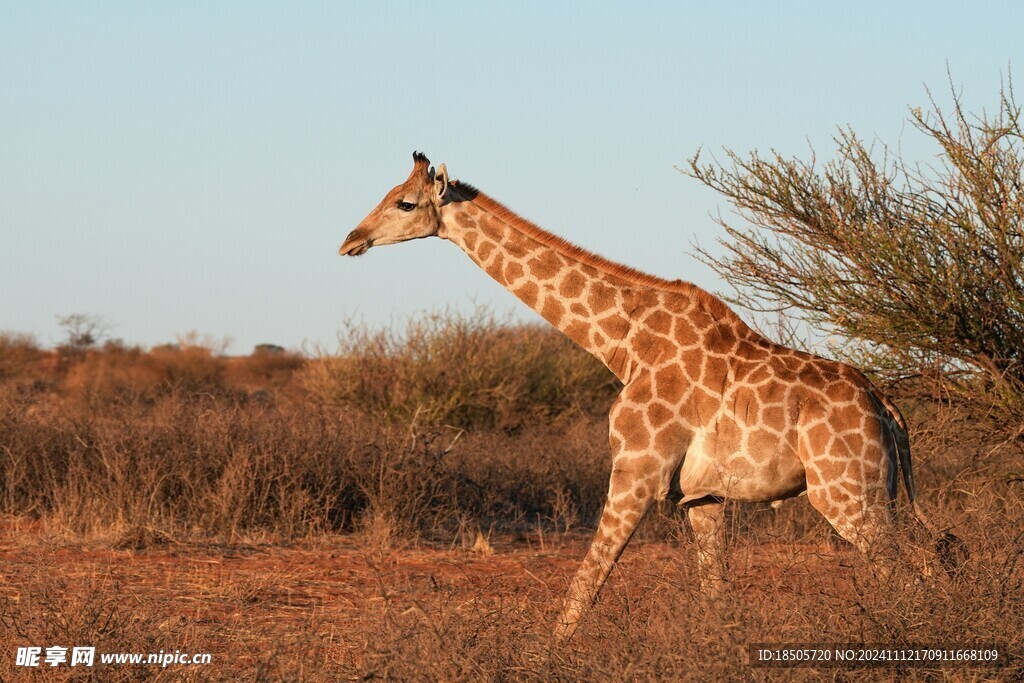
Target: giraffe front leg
708, 524
643, 459
624, 508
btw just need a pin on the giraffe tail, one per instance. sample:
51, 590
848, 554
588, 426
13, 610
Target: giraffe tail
952, 551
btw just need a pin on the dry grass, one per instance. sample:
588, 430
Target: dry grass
303, 524
467, 372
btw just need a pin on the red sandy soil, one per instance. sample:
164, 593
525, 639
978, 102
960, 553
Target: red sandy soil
243, 601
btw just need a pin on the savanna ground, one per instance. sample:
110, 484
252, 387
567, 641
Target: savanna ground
381, 513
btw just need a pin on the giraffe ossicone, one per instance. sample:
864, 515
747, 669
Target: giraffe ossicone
710, 410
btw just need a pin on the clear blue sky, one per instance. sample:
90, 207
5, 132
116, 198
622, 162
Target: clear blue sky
195, 165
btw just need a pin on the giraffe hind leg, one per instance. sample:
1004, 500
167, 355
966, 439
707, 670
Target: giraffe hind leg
708, 524
866, 522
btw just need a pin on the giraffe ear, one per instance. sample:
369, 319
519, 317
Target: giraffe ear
441, 181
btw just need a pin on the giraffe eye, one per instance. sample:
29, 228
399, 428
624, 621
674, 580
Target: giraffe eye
406, 206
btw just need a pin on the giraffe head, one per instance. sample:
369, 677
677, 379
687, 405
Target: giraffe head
409, 211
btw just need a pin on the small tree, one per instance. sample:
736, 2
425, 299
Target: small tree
83, 331
920, 266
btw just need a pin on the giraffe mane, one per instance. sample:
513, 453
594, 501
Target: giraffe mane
713, 304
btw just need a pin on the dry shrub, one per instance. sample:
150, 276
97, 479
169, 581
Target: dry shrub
551, 476
111, 374
263, 371
466, 371
919, 266
167, 467
209, 467
178, 466
118, 373
199, 456
173, 441
19, 356
190, 369
94, 610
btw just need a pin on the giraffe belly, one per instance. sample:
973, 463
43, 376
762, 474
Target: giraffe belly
727, 467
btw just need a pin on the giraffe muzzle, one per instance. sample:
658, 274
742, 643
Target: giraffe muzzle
356, 244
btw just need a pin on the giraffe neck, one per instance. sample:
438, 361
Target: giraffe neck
589, 305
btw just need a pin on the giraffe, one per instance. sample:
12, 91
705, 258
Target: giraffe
710, 410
